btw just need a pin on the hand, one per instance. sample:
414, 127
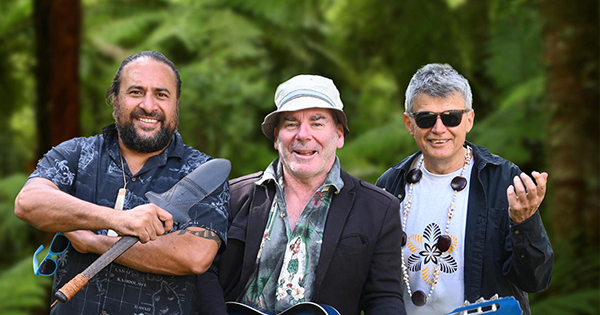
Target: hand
523, 201
146, 222
82, 240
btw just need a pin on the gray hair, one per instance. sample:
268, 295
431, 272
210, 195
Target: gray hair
437, 80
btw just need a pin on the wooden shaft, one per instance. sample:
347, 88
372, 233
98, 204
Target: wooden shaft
70, 288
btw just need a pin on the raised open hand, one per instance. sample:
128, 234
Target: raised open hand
524, 196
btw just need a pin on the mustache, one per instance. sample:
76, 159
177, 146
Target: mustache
139, 112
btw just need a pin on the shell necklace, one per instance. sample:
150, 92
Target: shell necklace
444, 241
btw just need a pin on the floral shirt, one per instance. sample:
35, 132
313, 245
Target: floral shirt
287, 261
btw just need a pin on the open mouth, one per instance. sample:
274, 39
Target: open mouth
305, 153
148, 120
438, 141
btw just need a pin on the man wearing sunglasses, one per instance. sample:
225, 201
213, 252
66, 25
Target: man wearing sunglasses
471, 220
79, 183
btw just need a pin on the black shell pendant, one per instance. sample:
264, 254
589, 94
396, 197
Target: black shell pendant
414, 176
458, 183
418, 298
444, 242
404, 238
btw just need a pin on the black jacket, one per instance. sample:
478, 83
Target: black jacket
359, 267
500, 256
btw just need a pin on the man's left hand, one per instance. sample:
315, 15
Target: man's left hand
525, 197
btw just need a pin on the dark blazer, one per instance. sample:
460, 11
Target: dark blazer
359, 267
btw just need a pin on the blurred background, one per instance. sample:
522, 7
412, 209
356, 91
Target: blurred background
533, 67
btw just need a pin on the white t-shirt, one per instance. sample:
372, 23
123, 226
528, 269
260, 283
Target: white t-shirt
431, 199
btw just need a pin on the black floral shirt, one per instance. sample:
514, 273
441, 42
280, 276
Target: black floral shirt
90, 169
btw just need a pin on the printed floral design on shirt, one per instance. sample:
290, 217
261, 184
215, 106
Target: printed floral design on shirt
426, 257
291, 279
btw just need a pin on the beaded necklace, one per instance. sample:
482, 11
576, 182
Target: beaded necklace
444, 241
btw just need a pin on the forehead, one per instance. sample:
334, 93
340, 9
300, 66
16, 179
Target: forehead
147, 72
425, 102
309, 113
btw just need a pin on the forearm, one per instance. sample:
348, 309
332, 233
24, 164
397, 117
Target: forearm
41, 204
189, 251
532, 255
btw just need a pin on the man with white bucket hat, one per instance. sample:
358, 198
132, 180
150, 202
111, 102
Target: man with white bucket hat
304, 230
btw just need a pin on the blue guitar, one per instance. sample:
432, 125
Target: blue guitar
305, 308
495, 305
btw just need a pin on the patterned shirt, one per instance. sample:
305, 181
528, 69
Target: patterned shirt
287, 261
90, 169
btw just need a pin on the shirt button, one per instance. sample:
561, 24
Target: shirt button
133, 179
399, 196
522, 256
517, 232
104, 313
112, 275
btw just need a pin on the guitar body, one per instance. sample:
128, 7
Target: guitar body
305, 308
497, 306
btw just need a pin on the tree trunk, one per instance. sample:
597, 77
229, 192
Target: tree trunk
571, 53
57, 30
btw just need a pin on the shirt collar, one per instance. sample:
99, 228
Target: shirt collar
175, 148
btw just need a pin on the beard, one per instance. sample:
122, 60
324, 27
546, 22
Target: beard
132, 140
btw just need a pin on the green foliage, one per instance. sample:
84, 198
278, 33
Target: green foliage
16, 82
16, 235
232, 54
22, 291
575, 277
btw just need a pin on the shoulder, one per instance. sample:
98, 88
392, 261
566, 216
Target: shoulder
367, 192
392, 180
393, 171
485, 160
246, 180
71, 150
241, 187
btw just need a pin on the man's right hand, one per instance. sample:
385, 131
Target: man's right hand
146, 221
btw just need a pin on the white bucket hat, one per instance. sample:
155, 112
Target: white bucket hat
301, 92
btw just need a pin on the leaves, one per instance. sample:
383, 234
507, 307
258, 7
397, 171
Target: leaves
232, 54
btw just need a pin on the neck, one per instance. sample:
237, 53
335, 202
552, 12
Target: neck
303, 185
297, 194
135, 160
448, 166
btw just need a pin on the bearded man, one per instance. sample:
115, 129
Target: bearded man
78, 185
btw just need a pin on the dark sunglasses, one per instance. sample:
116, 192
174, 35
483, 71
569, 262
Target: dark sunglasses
48, 267
450, 118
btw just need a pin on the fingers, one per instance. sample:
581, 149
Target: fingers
167, 220
145, 222
525, 195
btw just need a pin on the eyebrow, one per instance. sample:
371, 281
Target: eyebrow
312, 118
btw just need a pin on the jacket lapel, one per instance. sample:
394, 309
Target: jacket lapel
341, 205
257, 222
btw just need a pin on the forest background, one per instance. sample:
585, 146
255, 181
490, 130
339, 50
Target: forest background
533, 67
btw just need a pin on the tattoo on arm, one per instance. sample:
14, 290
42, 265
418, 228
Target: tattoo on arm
209, 235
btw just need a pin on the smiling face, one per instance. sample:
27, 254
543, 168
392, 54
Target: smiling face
442, 146
307, 141
146, 108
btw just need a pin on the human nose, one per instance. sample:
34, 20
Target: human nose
148, 103
304, 132
439, 125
